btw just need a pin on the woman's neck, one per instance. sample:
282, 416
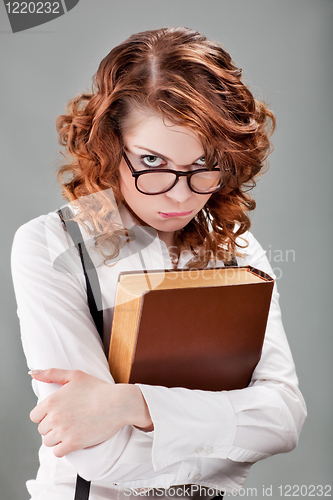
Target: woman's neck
169, 240
167, 237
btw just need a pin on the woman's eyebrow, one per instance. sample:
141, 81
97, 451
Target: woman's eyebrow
155, 153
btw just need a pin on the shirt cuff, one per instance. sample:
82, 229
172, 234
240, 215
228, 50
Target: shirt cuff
189, 423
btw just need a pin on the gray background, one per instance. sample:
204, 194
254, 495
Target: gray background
285, 50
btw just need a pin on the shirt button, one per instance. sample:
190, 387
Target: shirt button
199, 449
196, 476
209, 451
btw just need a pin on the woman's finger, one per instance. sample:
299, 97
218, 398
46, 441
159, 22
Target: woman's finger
62, 449
44, 427
53, 375
51, 439
38, 413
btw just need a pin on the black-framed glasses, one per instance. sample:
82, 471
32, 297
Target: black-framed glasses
160, 180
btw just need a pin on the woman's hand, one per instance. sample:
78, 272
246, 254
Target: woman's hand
86, 411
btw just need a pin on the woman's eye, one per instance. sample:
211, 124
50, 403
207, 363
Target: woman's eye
152, 161
201, 162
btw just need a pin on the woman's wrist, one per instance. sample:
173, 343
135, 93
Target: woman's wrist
136, 409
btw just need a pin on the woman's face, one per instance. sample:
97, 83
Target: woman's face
150, 140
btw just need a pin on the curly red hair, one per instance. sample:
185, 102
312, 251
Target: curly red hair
192, 81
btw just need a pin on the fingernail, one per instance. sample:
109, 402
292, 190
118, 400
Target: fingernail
35, 372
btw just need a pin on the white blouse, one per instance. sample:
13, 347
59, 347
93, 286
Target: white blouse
206, 438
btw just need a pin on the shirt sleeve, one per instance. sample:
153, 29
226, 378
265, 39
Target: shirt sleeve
241, 425
57, 330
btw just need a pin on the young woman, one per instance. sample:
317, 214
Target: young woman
169, 140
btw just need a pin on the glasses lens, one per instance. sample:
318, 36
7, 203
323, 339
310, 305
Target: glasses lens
155, 182
207, 181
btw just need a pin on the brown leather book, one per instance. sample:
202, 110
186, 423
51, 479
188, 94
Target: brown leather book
200, 329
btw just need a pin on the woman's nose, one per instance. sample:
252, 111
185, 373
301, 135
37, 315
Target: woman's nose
181, 191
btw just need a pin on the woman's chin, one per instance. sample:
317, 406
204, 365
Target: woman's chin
171, 225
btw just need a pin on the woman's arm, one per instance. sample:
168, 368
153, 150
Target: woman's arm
86, 411
242, 425
58, 332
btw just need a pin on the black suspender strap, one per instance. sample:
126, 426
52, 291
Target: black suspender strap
89, 270
82, 488
231, 262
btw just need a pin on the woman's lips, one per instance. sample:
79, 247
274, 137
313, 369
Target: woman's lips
167, 215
